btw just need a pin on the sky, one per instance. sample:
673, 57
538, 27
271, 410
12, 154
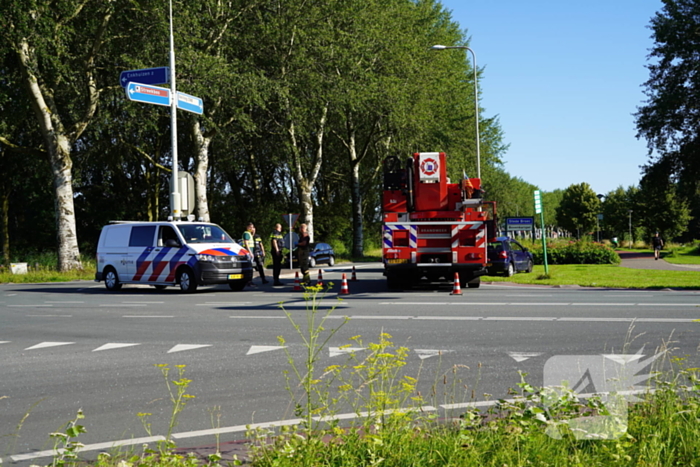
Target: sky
564, 78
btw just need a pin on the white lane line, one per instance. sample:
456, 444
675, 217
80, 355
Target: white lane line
50, 316
29, 306
88, 447
668, 304
259, 317
602, 304
224, 304
45, 345
148, 316
143, 303
519, 318
184, 347
114, 345
236, 428
5, 342
122, 305
61, 302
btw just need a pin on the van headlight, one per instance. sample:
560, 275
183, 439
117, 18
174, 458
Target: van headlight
207, 258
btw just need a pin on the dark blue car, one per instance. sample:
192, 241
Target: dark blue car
507, 256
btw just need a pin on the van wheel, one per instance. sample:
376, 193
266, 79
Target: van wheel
237, 286
187, 281
112, 280
160, 287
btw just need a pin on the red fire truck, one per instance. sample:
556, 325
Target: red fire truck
433, 228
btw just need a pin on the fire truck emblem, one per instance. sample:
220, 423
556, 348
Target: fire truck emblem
429, 167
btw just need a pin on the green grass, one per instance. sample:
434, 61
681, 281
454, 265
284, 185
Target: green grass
688, 254
605, 275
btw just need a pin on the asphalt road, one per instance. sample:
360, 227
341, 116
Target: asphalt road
74, 345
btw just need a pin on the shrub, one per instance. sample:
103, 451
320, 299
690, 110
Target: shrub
580, 252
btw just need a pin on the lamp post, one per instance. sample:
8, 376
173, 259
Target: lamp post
630, 217
476, 100
598, 217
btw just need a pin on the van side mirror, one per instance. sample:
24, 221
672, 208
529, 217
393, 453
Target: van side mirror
172, 243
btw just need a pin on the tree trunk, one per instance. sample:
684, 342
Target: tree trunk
202, 142
305, 183
58, 147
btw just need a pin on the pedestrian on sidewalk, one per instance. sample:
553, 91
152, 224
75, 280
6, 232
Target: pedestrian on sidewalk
658, 243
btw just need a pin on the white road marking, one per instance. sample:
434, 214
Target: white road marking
5, 342
61, 302
264, 348
44, 345
522, 356
224, 304
113, 346
29, 306
50, 316
89, 447
148, 316
143, 303
335, 351
258, 317
183, 347
122, 305
427, 353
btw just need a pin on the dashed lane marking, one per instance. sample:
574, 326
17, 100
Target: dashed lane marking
335, 351
148, 316
427, 353
114, 345
522, 356
45, 345
264, 348
183, 347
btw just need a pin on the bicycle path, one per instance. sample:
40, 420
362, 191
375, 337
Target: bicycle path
641, 260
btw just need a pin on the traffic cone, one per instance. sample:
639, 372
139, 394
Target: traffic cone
456, 289
344, 286
354, 276
297, 286
319, 281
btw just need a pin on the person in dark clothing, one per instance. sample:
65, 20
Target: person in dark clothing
276, 252
254, 245
303, 253
658, 244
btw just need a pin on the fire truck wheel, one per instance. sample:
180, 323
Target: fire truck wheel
474, 283
393, 281
509, 270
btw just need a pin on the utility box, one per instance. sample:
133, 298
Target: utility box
186, 190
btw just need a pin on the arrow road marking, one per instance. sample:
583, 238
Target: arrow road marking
183, 347
264, 348
335, 351
44, 345
113, 346
522, 356
427, 353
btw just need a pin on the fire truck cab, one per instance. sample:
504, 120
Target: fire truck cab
432, 228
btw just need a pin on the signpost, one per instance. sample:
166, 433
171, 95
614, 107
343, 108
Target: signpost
149, 94
190, 103
138, 86
160, 75
520, 224
538, 210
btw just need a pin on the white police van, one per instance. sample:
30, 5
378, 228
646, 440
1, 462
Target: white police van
185, 254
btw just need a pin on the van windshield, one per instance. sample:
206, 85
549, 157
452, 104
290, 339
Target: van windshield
204, 233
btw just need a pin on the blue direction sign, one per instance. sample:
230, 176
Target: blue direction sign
190, 103
149, 94
160, 75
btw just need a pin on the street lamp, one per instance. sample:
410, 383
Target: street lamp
476, 100
630, 214
598, 217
